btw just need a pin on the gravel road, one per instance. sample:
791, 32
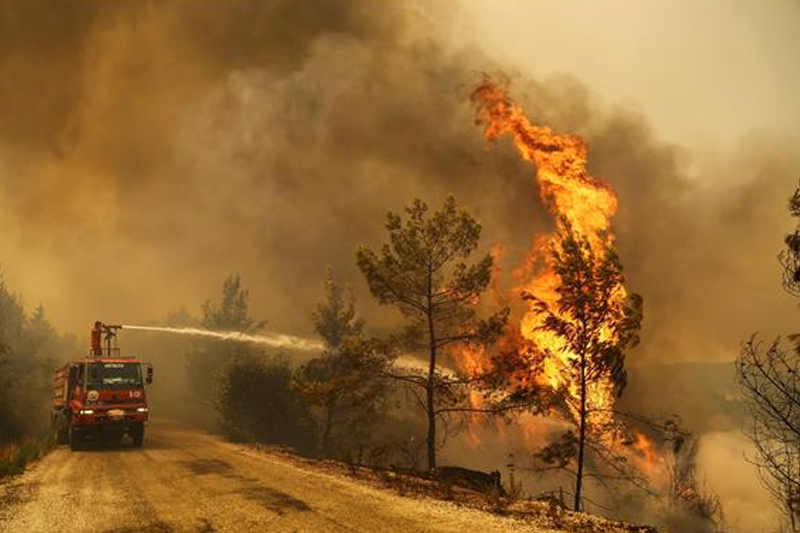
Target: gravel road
187, 481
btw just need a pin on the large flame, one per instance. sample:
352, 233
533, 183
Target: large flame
578, 200
572, 195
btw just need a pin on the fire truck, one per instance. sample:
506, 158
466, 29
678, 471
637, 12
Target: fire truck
102, 396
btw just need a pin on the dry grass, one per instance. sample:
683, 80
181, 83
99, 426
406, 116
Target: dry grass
415, 484
15, 456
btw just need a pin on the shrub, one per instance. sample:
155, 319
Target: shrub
14, 456
257, 402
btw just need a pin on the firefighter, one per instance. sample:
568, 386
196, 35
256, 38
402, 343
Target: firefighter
97, 338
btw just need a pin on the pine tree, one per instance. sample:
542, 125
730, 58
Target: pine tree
596, 325
422, 272
345, 383
232, 313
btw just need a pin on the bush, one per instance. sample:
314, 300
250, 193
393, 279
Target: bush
257, 402
14, 457
28, 347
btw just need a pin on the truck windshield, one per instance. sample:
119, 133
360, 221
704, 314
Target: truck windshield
112, 375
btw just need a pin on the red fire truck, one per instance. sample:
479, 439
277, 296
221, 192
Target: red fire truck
101, 396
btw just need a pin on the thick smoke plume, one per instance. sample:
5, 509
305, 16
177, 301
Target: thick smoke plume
152, 148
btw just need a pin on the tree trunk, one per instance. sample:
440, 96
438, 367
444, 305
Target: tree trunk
581, 435
429, 389
792, 511
431, 441
326, 431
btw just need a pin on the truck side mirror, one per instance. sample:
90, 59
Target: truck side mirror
149, 378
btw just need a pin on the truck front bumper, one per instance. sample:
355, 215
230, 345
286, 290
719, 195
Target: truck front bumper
109, 417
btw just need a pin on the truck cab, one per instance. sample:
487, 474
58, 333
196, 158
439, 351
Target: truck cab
102, 396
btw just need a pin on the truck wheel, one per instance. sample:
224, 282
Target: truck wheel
137, 435
75, 440
60, 432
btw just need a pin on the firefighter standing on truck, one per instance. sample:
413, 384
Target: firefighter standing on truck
97, 338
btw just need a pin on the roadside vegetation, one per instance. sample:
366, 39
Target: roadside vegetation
257, 402
14, 456
423, 271
389, 402
29, 349
358, 400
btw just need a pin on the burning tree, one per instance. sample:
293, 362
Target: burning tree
581, 318
421, 272
593, 321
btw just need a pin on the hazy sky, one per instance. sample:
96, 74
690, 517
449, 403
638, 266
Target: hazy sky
703, 72
149, 149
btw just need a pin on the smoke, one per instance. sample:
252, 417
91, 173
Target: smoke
149, 149
725, 470
156, 147
273, 340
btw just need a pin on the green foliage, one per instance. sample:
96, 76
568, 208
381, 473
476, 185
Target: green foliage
345, 384
422, 272
335, 317
28, 350
349, 394
419, 270
232, 313
257, 402
790, 256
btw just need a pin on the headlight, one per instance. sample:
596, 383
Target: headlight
86, 411
142, 409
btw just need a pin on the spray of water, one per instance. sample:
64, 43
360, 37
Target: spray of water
275, 340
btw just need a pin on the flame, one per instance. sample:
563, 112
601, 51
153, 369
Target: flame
575, 198
565, 185
572, 195
647, 458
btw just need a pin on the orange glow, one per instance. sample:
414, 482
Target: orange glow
570, 193
587, 205
647, 458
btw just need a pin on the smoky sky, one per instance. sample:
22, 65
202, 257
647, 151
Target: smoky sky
149, 149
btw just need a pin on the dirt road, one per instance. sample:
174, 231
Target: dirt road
185, 481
